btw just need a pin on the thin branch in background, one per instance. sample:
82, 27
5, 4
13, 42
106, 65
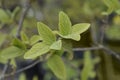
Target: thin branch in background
111, 52
24, 12
72, 65
88, 48
5, 69
23, 69
102, 30
93, 33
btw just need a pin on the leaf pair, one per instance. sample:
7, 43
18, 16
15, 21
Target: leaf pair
49, 42
66, 30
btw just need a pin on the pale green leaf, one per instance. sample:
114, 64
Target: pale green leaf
13, 63
36, 50
46, 33
57, 66
88, 70
75, 37
3, 60
2, 38
80, 28
64, 24
12, 52
4, 17
24, 38
56, 45
34, 39
22, 77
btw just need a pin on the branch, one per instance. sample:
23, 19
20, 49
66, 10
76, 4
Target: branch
23, 69
111, 52
24, 12
89, 48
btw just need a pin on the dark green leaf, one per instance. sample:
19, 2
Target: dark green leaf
19, 44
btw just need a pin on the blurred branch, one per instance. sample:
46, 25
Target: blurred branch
24, 12
23, 69
100, 47
88, 48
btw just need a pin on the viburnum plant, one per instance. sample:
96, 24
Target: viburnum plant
49, 44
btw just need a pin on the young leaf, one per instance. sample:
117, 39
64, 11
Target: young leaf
24, 38
19, 44
88, 67
80, 28
4, 17
57, 66
68, 32
36, 50
13, 63
2, 38
56, 45
12, 52
22, 77
75, 37
34, 39
64, 24
46, 33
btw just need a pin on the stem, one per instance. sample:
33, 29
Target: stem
27, 5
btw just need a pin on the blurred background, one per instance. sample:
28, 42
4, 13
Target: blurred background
104, 17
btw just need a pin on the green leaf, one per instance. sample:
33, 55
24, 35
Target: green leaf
71, 36
67, 46
57, 66
56, 45
4, 17
88, 70
12, 52
64, 24
75, 37
2, 38
34, 39
46, 33
22, 77
80, 28
36, 50
24, 38
68, 32
13, 63
19, 44
14, 13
